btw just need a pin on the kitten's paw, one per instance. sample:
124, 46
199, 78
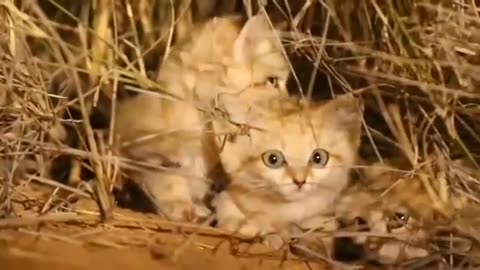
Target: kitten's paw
240, 226
319, 223
201, 212
249, 229
274, 241
178, 210
252, 228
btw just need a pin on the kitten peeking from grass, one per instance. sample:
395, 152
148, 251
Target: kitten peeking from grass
222, 56
292, 165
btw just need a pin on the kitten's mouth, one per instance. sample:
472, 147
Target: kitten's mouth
295, 196
301, 189
295, 193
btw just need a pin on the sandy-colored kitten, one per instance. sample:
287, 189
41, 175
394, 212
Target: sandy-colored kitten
222, 56
393, 202
291, 165
406, 239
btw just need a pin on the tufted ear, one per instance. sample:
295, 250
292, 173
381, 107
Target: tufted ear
254, 38
347, 111
344, 112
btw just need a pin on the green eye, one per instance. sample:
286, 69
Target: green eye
273, 159
319, 158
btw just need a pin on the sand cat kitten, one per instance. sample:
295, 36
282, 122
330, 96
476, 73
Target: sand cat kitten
406, 236
224, 55
221, 56
391, 201
290, 166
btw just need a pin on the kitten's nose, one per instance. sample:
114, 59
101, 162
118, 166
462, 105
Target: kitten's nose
299, 182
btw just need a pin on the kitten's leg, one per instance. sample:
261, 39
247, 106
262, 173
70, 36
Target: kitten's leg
323, 224
231, 218
170, 193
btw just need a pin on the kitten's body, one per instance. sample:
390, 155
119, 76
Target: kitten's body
260, 199
365, 203
392, 200
221, 56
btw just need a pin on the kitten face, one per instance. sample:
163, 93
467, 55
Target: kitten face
407, 237
258, 55
291, 160
385, 205
224, 53
259, 49
293, 153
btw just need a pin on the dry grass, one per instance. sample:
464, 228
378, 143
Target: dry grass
413, 62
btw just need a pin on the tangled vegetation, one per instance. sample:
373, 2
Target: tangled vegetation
64, 63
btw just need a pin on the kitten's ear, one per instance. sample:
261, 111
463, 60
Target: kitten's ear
253, 39
347, 112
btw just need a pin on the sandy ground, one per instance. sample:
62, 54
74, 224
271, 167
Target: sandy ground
21, 250
77, 240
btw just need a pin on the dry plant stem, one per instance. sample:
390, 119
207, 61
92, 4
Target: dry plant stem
326, 259
102, 33
409, 150
318, 60
123, 162
120, 221
301, 14
421, 85
48, 203
191, 237
135, 35
58, 185
103, 197
168, 46
111, 134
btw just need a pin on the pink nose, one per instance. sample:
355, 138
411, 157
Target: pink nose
299, 183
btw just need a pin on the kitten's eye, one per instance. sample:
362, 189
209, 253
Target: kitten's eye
273, 159
274, 81
360, 221
398, 220
319, 158
361, 224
